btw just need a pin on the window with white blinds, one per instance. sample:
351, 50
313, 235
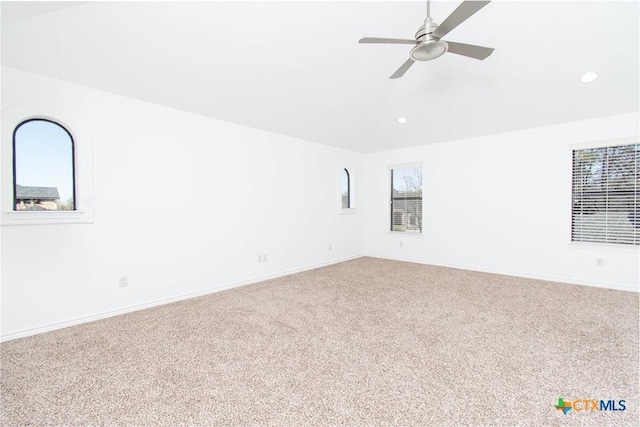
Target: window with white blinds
606, 188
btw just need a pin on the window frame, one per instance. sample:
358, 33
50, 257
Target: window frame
586, 145
352, 208
14, 164
391, 168
346, 171
84, 213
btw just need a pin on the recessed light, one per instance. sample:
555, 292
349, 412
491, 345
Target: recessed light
589, 77
402, 120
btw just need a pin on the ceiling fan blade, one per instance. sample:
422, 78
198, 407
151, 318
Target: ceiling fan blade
470, 50
458, 16
387, 41
403, 69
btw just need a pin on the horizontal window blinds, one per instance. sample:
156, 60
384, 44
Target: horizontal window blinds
605, 195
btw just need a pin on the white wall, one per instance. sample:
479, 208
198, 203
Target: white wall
183, 204
500, 203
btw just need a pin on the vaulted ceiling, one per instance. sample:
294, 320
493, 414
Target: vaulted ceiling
296, 68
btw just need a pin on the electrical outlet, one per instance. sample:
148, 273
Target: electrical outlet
264, 258
329, 246
259, 259
401, 244
123, 281
599, 262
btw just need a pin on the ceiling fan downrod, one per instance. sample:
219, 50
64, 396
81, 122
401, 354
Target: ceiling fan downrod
427, 27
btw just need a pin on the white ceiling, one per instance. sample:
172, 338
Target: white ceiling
296, 68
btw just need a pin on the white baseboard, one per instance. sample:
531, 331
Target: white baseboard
103, 315
513, 273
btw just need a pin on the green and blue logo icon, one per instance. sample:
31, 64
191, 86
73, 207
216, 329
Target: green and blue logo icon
590, 405
563, 406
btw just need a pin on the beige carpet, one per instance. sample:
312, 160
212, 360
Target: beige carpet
365, 342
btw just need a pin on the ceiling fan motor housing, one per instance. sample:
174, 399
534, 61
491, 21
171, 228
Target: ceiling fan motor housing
425, 30
429, 47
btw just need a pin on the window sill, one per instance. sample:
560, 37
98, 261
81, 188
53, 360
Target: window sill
46, 217
610, 247
349, 211
405, 233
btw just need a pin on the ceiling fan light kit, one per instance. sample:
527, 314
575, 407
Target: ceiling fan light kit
428, 43
426, 51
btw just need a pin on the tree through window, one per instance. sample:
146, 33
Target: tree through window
406, 199
606, 187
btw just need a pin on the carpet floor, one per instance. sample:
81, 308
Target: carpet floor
366, 342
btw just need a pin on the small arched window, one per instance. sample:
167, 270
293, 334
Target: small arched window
43, 167
345, 189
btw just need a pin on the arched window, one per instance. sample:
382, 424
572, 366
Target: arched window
43, 167
345, 189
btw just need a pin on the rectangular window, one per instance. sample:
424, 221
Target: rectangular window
406, 199
605, 195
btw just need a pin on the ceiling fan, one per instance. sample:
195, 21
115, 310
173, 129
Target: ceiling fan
428, 43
